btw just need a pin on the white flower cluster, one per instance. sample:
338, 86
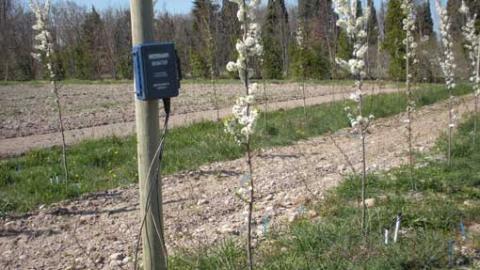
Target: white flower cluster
300, 36
410, 46
250, 45
448, 62
356, 29
409, 28
242, 125
472, 45
44, 45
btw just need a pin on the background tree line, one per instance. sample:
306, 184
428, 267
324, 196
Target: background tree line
93, 44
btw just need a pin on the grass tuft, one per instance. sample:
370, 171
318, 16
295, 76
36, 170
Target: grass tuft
431, 219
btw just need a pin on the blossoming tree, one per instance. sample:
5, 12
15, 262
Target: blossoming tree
448, 66
355, 27
472, 45
410, 46
242, 125
44, 50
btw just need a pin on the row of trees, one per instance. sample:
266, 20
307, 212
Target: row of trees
95, 45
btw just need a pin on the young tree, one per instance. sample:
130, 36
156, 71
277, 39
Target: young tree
300, 38
44, 53
448, 67
242, 125
472, 45
410, 60
355, 27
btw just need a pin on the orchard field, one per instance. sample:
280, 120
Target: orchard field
336, 134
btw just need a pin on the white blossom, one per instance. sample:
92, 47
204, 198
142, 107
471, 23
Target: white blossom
447, 63
409, 27
242, 123
356, 29
472, 45
43, 39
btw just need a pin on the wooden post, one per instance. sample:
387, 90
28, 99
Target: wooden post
147, 123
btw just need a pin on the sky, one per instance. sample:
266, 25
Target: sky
172, 6
184, 6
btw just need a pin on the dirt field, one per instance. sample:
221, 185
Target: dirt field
29, 110
28, 119
99, 231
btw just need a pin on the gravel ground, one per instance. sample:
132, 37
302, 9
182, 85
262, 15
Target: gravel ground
99, 230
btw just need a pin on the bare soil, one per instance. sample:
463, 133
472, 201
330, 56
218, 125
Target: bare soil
99, 230
28, 120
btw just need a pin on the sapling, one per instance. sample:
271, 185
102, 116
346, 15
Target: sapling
44, 50
300, 37
265, 97
242, 125
447, 63
355, 28
410, 60
211, 48
472, 45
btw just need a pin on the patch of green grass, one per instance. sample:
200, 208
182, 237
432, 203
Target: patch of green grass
431, 219
36, 177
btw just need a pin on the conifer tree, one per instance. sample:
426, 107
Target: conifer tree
229, 32
321, 36
90, 52
203, 49
372, 24
424, 20
273, 60
394, 35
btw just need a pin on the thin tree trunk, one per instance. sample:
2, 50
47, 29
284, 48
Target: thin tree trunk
475, 118
304, 102
249, 160
450, 128
250, 208
364, 185
62, 131
304, 75
475, 122
363, 133
6, 71
214, 86
265, 104
409, 117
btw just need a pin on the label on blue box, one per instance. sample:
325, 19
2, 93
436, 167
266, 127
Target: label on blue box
157, 71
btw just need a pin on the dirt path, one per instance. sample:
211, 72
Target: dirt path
19, 145
99, 230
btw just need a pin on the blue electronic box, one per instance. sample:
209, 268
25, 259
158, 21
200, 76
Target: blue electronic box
157, 71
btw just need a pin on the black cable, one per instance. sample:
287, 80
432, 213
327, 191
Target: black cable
159, 154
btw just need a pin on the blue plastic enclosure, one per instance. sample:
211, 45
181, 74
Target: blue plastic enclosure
157, 71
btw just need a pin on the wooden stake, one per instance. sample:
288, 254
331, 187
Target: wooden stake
147, 123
